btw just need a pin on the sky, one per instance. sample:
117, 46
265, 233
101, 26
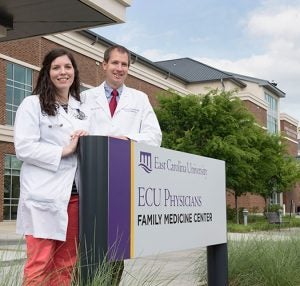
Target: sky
259, 38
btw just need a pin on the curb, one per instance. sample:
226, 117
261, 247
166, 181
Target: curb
12, 241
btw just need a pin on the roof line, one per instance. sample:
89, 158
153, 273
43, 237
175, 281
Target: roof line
136, 57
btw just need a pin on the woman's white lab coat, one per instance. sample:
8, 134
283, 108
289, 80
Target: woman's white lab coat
134, 116
46, 179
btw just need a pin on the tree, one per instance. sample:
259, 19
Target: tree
218, 125
276, 170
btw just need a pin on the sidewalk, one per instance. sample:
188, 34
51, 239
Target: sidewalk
12, 254
8, 234
179, 267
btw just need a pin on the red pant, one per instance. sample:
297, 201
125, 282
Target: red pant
51, 262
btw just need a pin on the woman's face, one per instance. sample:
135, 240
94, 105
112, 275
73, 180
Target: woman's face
62, 73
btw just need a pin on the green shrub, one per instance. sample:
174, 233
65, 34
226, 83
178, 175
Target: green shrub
264, 262
273, 208
231, 214
261, 262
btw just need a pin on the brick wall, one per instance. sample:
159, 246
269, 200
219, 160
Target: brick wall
259, 113
248, 201
292, 147
292, 199
290, 131
148, 88
33, 50
28, 50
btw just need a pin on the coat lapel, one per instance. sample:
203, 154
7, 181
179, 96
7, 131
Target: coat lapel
101, 100
73, 105
124, 99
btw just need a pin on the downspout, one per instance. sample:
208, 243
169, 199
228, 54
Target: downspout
222, 83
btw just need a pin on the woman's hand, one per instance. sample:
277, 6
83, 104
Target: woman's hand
71, 148
79, 133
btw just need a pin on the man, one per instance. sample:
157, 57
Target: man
122, 112
133, 117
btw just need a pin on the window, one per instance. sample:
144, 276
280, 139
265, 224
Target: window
18, 85
272, 113
275, 199
12, 168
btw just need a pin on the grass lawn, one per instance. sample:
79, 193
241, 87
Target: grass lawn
262, 260
260, 223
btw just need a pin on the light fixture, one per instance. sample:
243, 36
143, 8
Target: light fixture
95, 41
3, 31
6, 23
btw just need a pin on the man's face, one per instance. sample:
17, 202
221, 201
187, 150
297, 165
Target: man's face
116, 69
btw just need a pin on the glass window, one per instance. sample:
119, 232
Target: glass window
12, 168
272, 113
19, 74
9, 71
275, 199
18, 86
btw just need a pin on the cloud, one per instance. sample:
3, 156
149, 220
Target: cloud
273, 28
279, 28
280, 22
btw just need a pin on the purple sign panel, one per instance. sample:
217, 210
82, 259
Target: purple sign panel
119, 199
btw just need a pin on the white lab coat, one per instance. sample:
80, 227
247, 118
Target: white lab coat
134, 116
46, 179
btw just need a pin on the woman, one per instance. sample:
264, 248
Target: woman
47, 128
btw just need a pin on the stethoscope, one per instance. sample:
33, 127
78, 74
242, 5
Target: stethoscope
75, 112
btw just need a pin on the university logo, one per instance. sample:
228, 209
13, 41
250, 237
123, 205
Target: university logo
146, 161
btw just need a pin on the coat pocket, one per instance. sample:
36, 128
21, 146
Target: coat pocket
45, 218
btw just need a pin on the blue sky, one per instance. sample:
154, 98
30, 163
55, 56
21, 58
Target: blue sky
259, 38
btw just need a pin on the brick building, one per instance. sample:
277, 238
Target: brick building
20, 62
262, 99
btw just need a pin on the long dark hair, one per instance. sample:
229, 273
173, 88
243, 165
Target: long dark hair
45, 87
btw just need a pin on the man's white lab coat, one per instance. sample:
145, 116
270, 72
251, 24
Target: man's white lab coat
134, 116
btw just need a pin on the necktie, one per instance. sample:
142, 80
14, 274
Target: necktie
113, 102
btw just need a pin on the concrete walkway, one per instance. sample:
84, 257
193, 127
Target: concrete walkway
174, 269
178, 268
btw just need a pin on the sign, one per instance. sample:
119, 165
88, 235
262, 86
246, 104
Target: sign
138, 200
178, 201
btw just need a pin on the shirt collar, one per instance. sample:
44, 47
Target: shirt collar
108, 90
